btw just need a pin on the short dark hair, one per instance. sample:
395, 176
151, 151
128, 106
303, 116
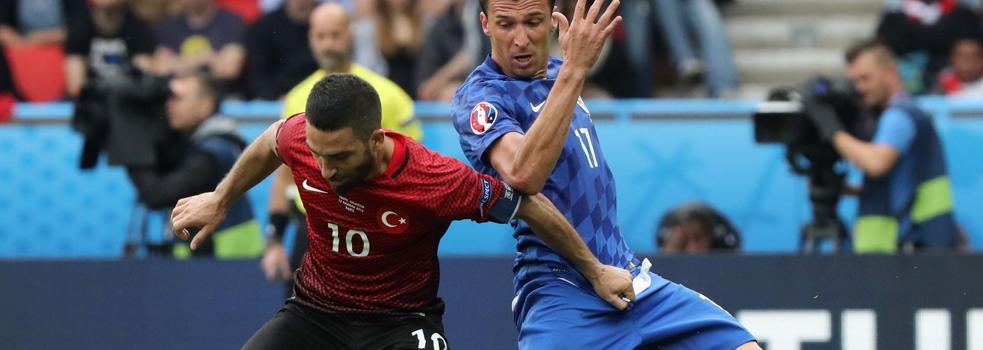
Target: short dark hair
207, 86
484, 5
342, 100
974, 38
875, 45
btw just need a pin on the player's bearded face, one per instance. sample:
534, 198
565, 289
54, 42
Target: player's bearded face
519, 32
345, 180
345, 160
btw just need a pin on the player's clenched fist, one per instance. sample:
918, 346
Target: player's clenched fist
582, 37
613, 284
203, 212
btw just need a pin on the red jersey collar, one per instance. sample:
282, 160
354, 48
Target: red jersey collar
400, 156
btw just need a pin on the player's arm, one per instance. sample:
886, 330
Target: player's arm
206, 211
612, 284
463, 193
526, 161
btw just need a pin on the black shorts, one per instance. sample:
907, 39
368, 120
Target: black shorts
297, 326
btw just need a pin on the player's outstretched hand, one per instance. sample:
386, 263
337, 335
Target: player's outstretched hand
202, 212
582, 37
613, 285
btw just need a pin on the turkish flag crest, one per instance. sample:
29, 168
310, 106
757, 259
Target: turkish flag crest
392, 221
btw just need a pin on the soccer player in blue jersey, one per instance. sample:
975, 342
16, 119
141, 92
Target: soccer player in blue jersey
520, 117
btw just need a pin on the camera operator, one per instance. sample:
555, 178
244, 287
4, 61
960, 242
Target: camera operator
213, 145
906, 199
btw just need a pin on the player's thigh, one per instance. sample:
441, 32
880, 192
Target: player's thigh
676, 318
295, 327
562, 316
409, 334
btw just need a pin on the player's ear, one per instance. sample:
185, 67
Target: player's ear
484, 23
377, 139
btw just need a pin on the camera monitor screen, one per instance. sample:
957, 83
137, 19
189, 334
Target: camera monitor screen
775, 121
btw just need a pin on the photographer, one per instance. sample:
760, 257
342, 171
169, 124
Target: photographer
213, 147
906, 199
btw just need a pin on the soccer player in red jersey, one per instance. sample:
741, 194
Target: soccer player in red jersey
378, 204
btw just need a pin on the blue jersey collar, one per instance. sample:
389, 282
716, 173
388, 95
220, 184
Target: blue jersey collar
552, 68
492, 65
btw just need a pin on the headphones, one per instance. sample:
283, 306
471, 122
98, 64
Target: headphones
723, 234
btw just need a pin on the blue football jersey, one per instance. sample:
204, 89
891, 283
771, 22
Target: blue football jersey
490, 104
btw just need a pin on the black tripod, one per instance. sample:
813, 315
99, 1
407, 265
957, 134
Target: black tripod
826, 186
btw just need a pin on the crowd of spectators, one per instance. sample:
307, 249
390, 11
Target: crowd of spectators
426, 47
937, 43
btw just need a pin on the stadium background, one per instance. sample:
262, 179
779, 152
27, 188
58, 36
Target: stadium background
63, 285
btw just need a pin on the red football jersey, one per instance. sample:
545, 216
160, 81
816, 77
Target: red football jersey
374, 250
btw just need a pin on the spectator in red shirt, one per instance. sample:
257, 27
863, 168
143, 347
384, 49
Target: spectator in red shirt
964, 77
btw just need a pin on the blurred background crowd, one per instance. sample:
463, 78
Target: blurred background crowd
679, 48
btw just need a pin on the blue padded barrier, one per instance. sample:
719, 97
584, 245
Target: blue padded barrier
662, 152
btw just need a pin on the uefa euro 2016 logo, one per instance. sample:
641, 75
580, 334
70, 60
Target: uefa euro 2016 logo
483, 115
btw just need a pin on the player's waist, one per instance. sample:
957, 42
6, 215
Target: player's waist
559, 265
415, 280
329, 298
369, 315
533, 251
531, 270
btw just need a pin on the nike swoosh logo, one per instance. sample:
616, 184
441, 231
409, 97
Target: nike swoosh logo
536, 108
312, 188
